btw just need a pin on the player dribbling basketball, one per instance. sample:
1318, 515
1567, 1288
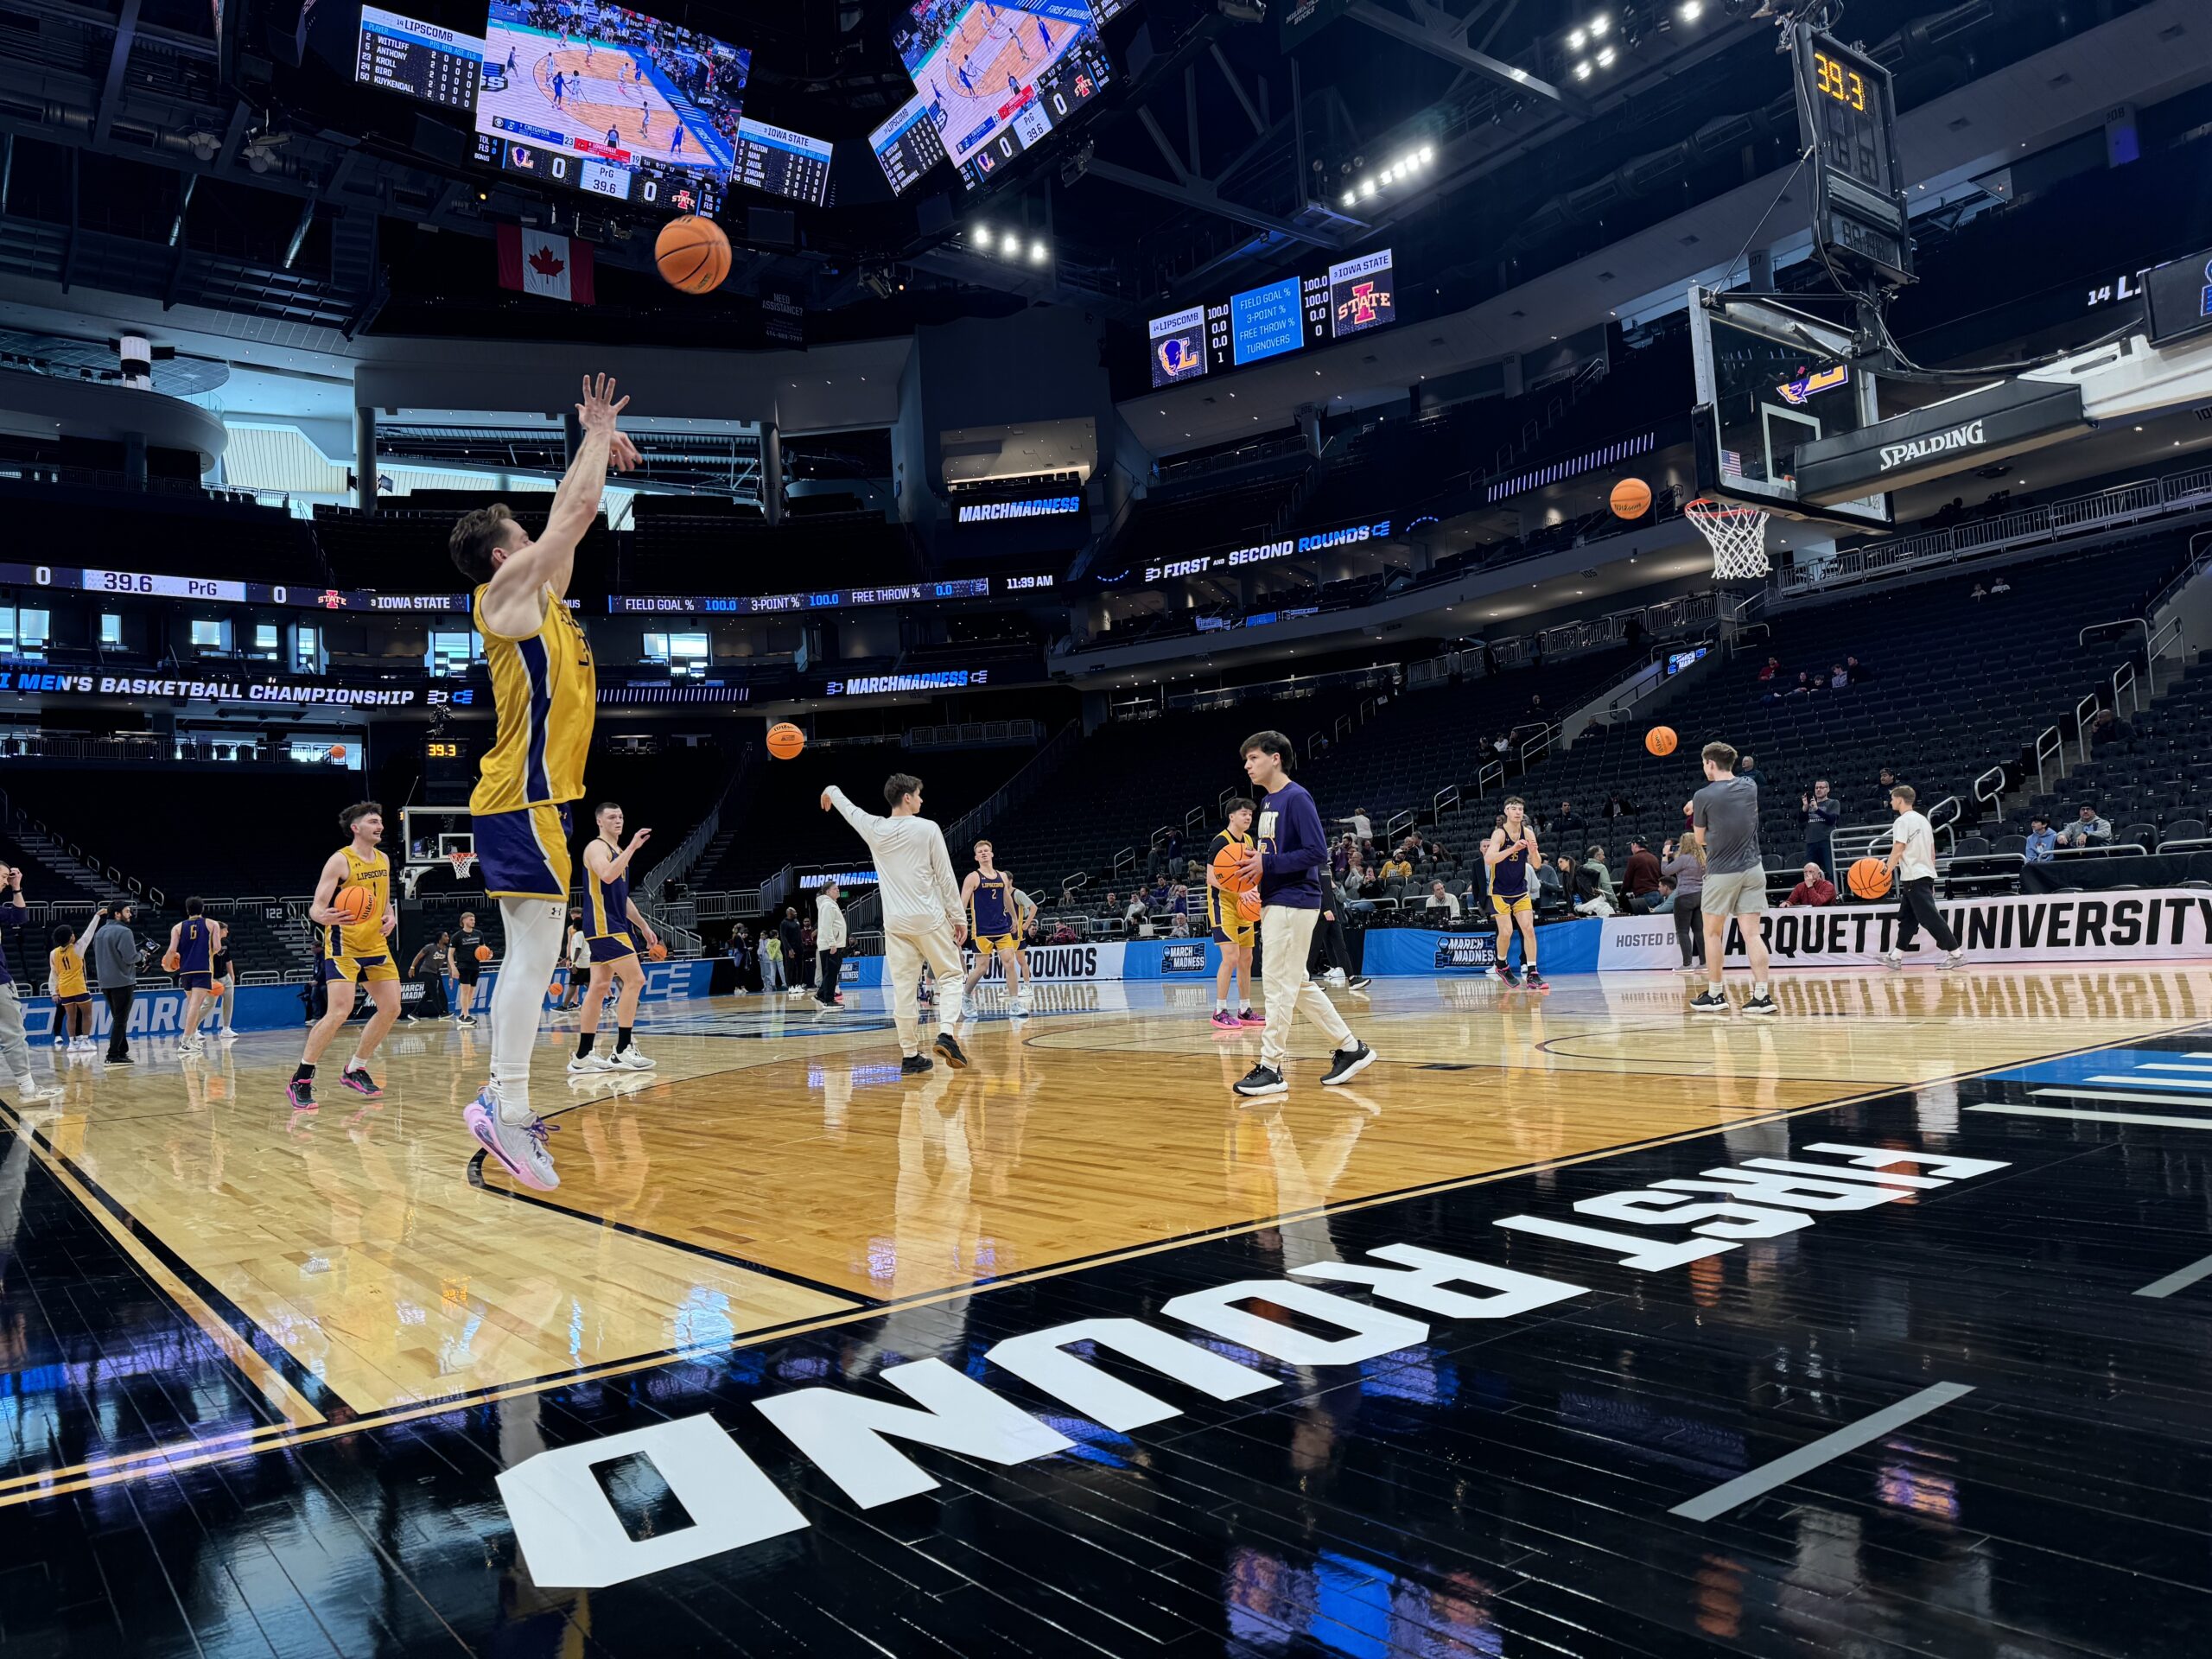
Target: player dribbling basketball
1232, 929
356, 949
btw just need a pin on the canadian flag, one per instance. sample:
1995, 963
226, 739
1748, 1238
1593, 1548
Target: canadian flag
537, 262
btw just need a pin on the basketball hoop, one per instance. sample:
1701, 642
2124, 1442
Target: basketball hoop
1738, 535
460, 862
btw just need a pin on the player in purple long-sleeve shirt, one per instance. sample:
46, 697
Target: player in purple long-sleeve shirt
1292, 855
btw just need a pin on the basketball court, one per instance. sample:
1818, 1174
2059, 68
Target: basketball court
602, 89
980, 75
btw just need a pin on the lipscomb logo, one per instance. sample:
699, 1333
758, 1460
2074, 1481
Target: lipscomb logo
1365, 306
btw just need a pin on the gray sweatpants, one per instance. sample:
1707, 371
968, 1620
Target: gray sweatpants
15, 1051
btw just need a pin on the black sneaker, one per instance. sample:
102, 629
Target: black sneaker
1262, 1080
1535, 982
1710, 1002
1358, 982
1348, 1063
120, 1060
914, 1065
1505, 972
949, 1045
1761, 1007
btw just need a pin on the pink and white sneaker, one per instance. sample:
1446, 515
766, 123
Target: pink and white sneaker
358, 1079
1246, 1017
1224, 1020
520, 1148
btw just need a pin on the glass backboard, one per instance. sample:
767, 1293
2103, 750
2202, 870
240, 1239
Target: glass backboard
1769, 380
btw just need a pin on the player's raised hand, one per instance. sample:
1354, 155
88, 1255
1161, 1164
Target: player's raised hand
827, 803
600, 407
622, 455
639, 839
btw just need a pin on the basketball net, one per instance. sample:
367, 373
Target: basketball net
1737, 537
461, 863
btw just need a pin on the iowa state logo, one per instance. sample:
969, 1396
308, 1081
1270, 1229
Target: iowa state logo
1366, 304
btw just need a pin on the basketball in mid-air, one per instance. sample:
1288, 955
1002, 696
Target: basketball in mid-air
1631, 499
1868, 878
338, 751
483, 953
1227, 874
692, 254
354, 904
1661, 740
786, 740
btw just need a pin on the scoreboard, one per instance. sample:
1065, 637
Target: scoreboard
1273, 319
907, 145
1847, 119
782, 163
400, 55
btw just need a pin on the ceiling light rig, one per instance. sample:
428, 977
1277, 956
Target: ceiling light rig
1401, 169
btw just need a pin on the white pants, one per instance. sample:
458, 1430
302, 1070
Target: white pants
1286, 936
903, 956
15, 1053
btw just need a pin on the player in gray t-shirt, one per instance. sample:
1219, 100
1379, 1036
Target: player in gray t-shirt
1726, 815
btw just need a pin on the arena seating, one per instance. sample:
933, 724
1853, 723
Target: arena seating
403, 550
677, 540
780, 820
164, 534
1958, 685
2148, 779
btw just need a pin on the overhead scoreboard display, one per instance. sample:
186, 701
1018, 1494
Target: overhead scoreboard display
1273, 319
782, 163
1847, 117
907, 145
400, 55
610, 102
992, 79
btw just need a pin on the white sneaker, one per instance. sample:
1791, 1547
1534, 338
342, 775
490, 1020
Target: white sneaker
519, 1147
629, 1059
580, 1063
29, 1088
190, 1049
1955, 959
226, 1034
1022, 1008
1893, 960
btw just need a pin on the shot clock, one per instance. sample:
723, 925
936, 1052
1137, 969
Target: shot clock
1847, 116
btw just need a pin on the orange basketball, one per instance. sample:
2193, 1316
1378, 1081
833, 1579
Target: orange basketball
786, 740
658, 952
1248, 904
1226, 874
338, 751
483, 953
171, 962
1631, 499
354, 904
1867, 879
692, 253
1660, 739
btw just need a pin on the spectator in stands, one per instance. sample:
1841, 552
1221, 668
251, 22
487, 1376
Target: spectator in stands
1179, 906
113, 952
1888, 781
1411, 850
1620, 806
1501, 743
1820, 813
1064, 933
1815, 889
2108, 728
1340, 856
1857, 671
1134, 916
1156, 899
2000, 587
1838, 676
1360, 826
2043, 842
1566, 824
1593, 867
1803, 688
1980, 593
1640, 876
1398, 867
1748, 766
1663, 902
2088, 829
1555, 881
1771, 671
1684, 866
1441, 898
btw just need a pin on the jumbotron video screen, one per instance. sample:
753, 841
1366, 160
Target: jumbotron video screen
995, 78
604, 99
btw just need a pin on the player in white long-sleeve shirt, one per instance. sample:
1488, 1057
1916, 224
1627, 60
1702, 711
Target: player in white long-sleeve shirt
922, 919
